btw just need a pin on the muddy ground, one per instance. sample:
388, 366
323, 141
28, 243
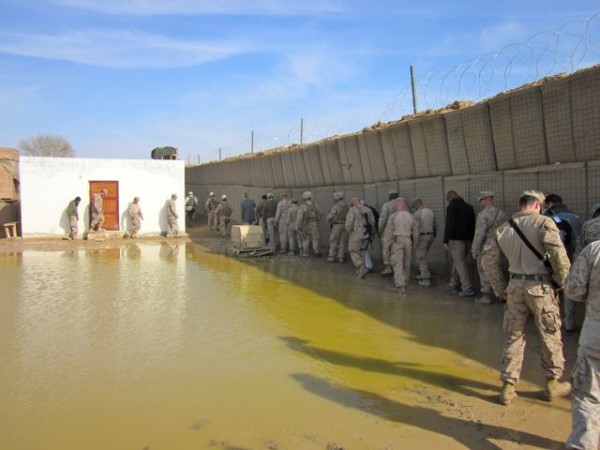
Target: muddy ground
470, 414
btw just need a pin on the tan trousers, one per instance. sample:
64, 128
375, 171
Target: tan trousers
531, 299
460, 268
355, 248
400, 260
421, 250
337, 241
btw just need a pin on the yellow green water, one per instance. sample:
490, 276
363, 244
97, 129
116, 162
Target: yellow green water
168, 347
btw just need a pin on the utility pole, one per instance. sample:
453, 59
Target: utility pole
198, 159
252, 142
413, 82
301, 131
219, 153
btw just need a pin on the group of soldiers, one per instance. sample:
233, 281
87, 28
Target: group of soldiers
524, 261
528, 263
134, 213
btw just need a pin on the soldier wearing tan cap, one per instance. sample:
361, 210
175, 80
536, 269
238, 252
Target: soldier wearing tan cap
529, 292
488, 221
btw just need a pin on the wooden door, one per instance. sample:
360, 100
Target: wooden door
110, 203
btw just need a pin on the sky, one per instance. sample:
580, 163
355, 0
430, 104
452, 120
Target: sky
118, 78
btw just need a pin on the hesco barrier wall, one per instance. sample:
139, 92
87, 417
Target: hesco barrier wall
544, 136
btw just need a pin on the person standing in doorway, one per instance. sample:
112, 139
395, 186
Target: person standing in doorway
98, 210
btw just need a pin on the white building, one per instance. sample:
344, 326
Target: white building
49, 184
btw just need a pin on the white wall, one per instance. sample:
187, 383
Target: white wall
49, 184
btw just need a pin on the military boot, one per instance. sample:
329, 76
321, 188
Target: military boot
556, 389
387, 270
508, 393
361, 272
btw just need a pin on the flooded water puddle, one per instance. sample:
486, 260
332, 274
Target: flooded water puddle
165, 346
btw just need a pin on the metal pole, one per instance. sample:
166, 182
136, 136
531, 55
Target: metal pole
301, 131
414, 88
252, 143
219, 153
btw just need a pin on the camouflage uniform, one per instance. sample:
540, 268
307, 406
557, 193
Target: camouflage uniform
583, 285
338, 236
426, 225
210, 207
135, 214
73, 219
529, 291
401, 230
172, 217
356, 227
293, 234
307, 222
97, 212
386, 210
590, 232
281, 221
223, 214
486, 224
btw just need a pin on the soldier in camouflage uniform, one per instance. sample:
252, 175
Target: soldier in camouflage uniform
583, 285
135, 214
427, 227
488, 221
358, 219
338, 236
590, 231
529, 292
307, 222
293, 234
387, 209
401, 230
209, 208
281, 221
97, 208
172, 217
73, 216
223, 214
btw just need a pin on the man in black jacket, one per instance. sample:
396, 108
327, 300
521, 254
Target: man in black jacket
458, 234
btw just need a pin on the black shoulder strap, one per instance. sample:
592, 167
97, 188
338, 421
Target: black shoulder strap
530, 246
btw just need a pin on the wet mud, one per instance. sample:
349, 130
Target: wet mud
157, 344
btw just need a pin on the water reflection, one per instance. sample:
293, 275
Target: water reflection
195, 350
